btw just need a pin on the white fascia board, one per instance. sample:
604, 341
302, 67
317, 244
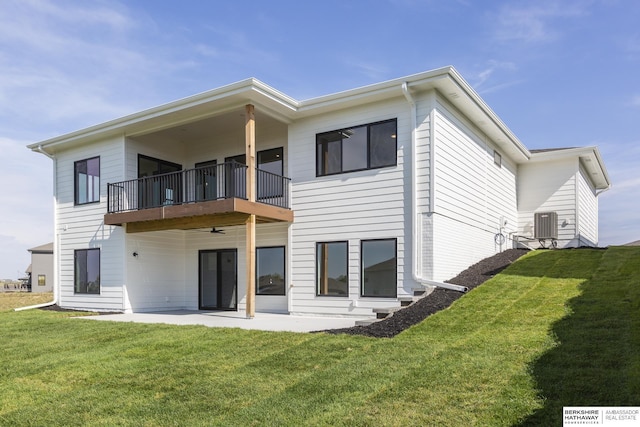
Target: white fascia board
250, 89
275, 95
473, 98
285, 108
367, 93
590, 158
450, 84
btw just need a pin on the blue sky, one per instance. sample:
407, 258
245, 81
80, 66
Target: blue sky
558, 73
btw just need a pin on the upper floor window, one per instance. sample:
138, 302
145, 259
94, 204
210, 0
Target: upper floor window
87, 181
368, 146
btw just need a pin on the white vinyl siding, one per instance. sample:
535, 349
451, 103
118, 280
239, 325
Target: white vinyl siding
233, 238
369, 204
155, 279
164, 275
82, 227
587, 210
472, 195
423, 153
462, 198
549, 187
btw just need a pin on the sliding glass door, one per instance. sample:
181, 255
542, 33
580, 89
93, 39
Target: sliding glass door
218, 279
158, 189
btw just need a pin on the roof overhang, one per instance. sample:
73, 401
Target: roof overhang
447, 81
589, 158
47, 248
207, 104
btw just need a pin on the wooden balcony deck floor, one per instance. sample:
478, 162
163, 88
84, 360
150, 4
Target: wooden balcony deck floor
214, 213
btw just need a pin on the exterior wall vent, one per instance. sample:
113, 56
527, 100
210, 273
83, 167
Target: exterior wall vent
546, 225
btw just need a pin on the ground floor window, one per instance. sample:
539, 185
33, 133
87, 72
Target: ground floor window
42, 280
332, 278
379, 268
270, 277
87, 271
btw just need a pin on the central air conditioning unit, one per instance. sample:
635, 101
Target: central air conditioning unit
546, 225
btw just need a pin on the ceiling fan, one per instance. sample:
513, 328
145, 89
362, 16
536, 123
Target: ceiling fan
212, 231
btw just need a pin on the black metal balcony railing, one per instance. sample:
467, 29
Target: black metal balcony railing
215, 182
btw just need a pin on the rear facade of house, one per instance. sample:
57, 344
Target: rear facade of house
243, 198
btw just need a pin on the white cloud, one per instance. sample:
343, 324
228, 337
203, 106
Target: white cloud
234, 46
373, 72
534, 22
207, 50
54, 29
26, 201
480, 78
619, 206
62, 66
630, 44
69, 64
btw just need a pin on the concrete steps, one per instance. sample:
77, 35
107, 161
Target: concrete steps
384, 312
366, 322
405, 301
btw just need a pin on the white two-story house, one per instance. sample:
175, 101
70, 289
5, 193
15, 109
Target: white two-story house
243, 198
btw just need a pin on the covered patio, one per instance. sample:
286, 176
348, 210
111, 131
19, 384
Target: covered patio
232, 319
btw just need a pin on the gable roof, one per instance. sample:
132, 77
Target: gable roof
589, 158
273, 103
286, 109
46, 249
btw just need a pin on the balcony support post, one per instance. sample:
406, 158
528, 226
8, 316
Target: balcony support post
250, 151
250, 148
251, 266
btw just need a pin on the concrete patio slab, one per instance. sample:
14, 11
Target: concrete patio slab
217, 319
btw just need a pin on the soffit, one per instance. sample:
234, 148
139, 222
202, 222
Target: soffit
448, 83
194, 112
214, 107
589, 158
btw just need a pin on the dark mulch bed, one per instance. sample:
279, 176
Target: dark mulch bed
438, 300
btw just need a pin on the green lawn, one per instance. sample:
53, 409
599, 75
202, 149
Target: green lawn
11, 300
556, 328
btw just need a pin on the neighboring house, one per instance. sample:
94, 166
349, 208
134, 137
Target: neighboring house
40, 272
243, 198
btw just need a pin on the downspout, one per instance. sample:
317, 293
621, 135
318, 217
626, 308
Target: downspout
416, 239
55, 240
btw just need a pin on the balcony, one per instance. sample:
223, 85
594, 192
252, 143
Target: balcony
197, 198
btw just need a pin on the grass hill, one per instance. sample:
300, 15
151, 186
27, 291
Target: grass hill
556, 328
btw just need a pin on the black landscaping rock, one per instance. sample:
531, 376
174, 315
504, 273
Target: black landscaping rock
438, 300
